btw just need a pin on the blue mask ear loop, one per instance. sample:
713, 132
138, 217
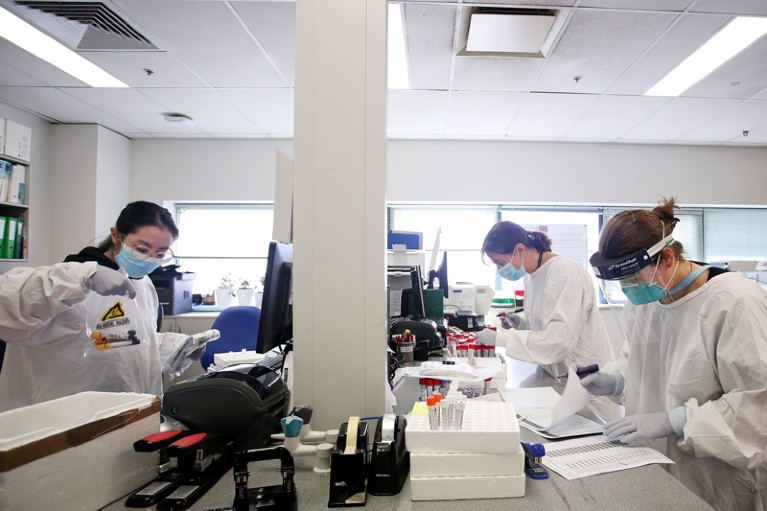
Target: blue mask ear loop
688, 280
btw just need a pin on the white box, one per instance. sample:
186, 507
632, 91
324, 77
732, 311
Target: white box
76, 452
467, 464
456, 488
18, 140
488, 427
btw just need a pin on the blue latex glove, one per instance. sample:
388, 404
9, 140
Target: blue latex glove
603, 383
648, 425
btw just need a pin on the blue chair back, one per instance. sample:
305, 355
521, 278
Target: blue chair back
239, 331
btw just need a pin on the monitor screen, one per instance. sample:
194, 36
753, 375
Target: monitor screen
276, 324
416, 281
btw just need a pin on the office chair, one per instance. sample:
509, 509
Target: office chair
238, 326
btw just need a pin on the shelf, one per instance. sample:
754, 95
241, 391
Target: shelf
13, 205
14, 260
13, 159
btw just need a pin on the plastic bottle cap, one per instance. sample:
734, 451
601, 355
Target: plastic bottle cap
437, 397
430, 401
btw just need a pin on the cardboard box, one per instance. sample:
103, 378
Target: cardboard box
76, 452
18, 140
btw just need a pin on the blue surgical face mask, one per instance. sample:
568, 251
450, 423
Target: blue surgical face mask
511, 272
641, 294
136, 268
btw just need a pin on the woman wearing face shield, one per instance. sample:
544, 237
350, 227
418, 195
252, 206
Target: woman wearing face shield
694, 365
562, 324
43, 314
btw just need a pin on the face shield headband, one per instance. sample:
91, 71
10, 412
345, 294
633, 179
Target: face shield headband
621, 267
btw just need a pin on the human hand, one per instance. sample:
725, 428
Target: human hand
603, 383
509, 321
108, 282
648, 425
486, 336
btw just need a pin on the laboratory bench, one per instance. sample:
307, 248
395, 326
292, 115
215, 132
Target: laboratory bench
648, 487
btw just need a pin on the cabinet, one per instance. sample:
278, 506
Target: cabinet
14, 191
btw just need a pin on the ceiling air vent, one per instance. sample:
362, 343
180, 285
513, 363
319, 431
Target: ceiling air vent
84, 26
511, 32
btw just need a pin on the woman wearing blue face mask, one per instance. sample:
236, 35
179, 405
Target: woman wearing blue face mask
43, 315
694, 365
562, 324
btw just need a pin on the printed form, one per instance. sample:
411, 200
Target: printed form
588, 456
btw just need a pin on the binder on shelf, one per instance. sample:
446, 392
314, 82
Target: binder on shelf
5, 179
3, 221
16, 192
9, 239
18, 140
19, 239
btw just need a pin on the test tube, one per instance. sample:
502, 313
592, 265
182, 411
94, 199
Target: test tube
433, 422
424, 390
437, 399
487, 385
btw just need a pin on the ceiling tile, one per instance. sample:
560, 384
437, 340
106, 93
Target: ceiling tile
731, 6
270, 109
671, 48
642, 5
130, 67
210, 112
207, 37
11, 76
413, 112
429, 31
748, 115
612, 116
481, 113
748, 68
274, 26
599, 46
677, 117
495, 73
130, 105
27, 63
549, 115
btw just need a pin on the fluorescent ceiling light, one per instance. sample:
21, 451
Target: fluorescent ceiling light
397, 56
508, 33
27, 37
728, 42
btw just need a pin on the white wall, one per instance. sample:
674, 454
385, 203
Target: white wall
38, 188
439, 171
91, 183
179, 170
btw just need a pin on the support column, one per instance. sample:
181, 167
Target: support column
339, 274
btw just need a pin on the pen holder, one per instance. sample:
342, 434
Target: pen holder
405, 351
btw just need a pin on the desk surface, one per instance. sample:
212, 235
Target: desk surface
649, 487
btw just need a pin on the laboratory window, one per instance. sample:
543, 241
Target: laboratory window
223, 240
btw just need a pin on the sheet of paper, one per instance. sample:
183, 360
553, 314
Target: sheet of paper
574, 398
587, 456
537, 420
531, 397
462, 372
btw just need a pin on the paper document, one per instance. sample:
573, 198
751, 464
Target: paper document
463, 372
574, 398
537, 420
588, 456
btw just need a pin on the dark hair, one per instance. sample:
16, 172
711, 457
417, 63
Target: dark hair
636, 229
139, 214
504, 236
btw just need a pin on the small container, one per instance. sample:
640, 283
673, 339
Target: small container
405, 352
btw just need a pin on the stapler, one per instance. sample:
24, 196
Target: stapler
348, 465
389, 459
168, 478
279, 497
533, 454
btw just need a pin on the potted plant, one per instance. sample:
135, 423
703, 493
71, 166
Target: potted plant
260, 291
225, 291
245, 293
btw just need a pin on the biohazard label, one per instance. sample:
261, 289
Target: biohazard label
115, 316
114, 312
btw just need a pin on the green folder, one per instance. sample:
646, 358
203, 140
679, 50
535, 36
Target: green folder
9, 239
3, 221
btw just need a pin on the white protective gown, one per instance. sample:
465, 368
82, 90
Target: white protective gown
707, 351
49, 355
562, 322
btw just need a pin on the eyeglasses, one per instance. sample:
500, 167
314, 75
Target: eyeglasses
147, 254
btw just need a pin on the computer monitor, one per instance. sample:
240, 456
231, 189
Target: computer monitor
441, 274
276, 324
416, 288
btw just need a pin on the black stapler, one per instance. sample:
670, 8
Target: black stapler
348, 465
389, 461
